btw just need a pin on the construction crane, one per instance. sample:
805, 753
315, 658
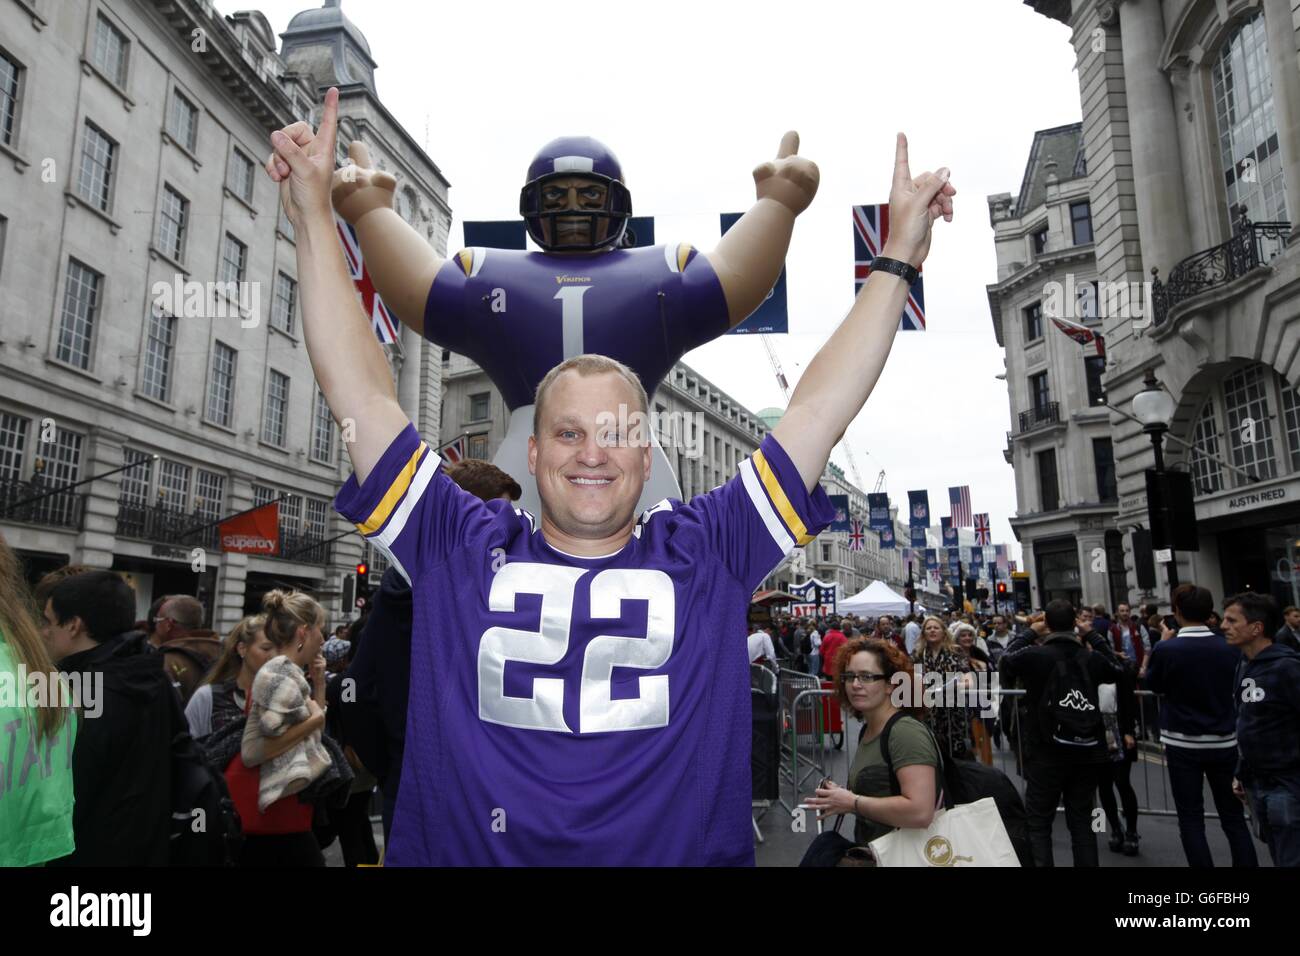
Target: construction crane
785, 390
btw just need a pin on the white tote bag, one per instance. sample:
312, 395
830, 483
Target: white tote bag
970, 834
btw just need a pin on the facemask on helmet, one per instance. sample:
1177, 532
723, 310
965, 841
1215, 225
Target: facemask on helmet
561, 202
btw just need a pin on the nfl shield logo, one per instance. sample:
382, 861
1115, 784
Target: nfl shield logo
918, 511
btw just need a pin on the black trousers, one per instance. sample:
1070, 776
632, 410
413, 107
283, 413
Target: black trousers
1114, 775
1076, 785
355, 832
1188, 767
280, 850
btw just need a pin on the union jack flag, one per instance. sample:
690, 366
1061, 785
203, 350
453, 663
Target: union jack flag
982, 536
856, 536
455, 450
959, 506
381, 320
1081, 334
870, 230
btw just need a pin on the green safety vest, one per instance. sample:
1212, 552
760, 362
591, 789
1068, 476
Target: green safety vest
35, 778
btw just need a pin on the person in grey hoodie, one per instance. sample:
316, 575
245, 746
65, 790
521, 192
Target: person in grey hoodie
1268, 724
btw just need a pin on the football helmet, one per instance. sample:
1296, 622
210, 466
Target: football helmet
574, 157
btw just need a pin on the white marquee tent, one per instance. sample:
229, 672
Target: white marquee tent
876, 599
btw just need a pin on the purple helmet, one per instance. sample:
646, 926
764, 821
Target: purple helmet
576, 156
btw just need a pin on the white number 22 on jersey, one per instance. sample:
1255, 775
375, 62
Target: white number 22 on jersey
598, 711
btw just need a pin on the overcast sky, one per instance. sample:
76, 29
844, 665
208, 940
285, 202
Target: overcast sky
691, 96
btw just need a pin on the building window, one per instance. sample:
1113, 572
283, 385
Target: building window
10, 73
158, 349
173, 485
317, 522
13, 439
241, 176
285, 226
1207, 476
58, 464
1291, 417
1245, 397
221, 386
1033, 321
322, 430
95, 182
826, 553
275, 409
479, 406
133, 491
110, 52
1248, 145
1048, 489
1103, 460
80, 310
478, 446
173, 217
209, 494
290, 515
286, 296
262, 495
183, 121
1039, 393
1094, 368
1039, 240
234, 257
1081, 222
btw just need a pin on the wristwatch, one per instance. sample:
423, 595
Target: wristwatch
898, 267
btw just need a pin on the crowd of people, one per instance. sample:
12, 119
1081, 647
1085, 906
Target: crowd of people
1216, 697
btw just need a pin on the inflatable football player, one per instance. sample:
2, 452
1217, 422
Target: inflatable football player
519, 313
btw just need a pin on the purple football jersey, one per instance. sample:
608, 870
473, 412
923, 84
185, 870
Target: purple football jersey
568, 710
519, 314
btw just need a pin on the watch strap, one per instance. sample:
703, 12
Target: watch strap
898, 267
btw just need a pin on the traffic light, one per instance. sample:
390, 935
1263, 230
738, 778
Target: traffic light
970, 588
1002, 587
363, 570
363, 584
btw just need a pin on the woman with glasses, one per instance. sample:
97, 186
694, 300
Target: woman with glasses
875, 677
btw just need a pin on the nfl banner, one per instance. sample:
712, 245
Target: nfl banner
931, 559
495, 234
381, 320
1013, 567
878, 512
771, 316
918, 536
1000, 552
254, 532
949, 533
954, 561
976, 560
918, 509
887, 539
870, 230
857, 538
807, 593
840, 503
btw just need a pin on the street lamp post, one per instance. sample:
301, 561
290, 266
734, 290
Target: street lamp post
1154, 408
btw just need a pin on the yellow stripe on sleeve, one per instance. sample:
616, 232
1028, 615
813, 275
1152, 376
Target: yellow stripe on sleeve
683, 253
779, 499
394, 494
466, 259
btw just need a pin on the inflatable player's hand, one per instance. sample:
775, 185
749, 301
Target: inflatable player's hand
789, 179
303, 162
914, 205
359, 188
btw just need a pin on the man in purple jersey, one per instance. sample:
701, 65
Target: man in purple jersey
569, 701
518, 313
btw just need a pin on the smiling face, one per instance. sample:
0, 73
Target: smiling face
589, 477
576, 193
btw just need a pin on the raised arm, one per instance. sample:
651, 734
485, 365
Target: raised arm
748, 259
844, 371
345, 355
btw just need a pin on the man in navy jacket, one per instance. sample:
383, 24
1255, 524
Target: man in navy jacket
1268, 724
1195, 673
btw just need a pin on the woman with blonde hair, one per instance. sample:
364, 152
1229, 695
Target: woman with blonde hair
36, 818
220, 699
937, 652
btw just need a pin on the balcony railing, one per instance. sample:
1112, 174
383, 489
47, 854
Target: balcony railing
170, 526
165, 525
1049, 413
63, 509
1253, 244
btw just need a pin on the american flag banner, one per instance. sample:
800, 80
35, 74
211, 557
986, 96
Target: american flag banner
1081, 334
982, 535
381, 320
856, 535
870, 230
959, 506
